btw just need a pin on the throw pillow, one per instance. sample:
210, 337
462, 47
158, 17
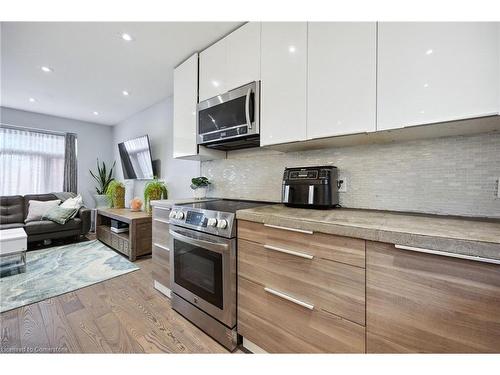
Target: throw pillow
75, 202
59, 215
36, 209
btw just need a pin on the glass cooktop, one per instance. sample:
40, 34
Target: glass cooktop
225, 205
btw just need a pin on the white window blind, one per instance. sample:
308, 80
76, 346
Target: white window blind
31, 162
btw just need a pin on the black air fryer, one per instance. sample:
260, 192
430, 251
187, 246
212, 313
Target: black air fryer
310, 187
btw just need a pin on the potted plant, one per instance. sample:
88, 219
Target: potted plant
103, 178
116, 194
154, 190
200, 186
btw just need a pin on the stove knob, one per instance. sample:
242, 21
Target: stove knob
212, 222
172, 214
179, 215
222, 224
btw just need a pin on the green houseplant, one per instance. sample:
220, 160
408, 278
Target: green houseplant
103, 177
116, 194
200, 186
152, 191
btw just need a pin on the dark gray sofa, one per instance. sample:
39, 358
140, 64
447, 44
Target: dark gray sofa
14, 209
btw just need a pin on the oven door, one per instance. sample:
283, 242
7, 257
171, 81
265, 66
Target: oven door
203, 272
234, 114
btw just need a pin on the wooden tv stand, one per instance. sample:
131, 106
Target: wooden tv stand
134, 243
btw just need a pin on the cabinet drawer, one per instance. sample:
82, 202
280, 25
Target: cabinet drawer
331, 286
160, 233
161, 213
340, 249
278, 325
161, 265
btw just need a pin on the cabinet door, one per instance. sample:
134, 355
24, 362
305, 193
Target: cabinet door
436, 71
283, 85
243, 55
417, 302
185, 99
342, 58
213, 70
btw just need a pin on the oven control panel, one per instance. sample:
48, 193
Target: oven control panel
196, 218
218, 223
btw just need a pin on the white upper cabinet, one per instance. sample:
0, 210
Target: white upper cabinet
432, 72
243, 55
342, 77
185, 100
283, 82
231, 62
213, 71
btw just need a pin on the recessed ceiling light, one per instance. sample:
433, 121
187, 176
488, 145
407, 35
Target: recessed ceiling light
215, 83
127, 37
96, 113
46, 69
125, 93
429, 52
32, 100
291, 49
426, 85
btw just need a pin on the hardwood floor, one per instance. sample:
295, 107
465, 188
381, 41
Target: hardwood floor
122, 315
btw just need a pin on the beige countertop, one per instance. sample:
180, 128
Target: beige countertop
459, 235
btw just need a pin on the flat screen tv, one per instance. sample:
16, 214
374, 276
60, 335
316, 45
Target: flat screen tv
135, 155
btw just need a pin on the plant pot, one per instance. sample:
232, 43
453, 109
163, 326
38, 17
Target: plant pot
200, 193
119, 197
153, 196
102, 201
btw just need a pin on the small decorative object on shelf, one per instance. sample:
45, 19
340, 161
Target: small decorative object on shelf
103, 179
200, 186
135, 204
154, 190
116, 193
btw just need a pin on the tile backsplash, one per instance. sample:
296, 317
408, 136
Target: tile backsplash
450, 176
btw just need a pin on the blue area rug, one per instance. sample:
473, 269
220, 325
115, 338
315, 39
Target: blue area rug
58, 270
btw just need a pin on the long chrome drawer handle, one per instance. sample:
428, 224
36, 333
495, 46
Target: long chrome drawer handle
290, 229
446, 254
162, 221
291, 252
288, 298
161, 246
162, 208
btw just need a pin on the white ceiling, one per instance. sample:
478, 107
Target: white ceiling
92, 65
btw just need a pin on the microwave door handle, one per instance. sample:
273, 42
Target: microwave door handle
247, 108
214, 246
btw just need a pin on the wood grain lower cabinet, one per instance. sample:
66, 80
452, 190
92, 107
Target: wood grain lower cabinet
161, 249
420, 302
280, 326
300, 292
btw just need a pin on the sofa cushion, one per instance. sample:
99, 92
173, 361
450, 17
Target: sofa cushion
11, 225
59, 215
47, 226
36, 197
11, 209
37, 209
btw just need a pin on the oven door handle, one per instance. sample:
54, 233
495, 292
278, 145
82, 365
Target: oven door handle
247, 108
215, 246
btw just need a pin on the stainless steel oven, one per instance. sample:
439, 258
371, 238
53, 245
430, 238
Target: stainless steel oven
203, 273
230, 121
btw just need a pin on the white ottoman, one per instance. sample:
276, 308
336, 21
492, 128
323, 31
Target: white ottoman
14, 242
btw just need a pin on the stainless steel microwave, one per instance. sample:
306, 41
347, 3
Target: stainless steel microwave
230, 121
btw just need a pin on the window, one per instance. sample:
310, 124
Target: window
31, 162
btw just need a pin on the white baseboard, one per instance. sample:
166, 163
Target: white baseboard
163, 289
254, 348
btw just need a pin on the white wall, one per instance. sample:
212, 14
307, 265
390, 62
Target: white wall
94, 141
156, 122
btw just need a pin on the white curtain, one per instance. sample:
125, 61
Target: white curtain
30, 162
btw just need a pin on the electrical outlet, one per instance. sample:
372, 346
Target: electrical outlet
343, 186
